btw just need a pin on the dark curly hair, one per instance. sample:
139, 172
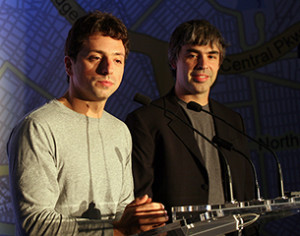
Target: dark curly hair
91, 23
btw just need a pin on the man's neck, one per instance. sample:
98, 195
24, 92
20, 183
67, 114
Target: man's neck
198, 98
93, 109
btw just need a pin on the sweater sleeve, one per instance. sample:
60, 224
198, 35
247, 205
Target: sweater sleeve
34, 186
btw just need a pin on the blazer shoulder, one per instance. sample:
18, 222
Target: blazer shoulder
156, 106
221, 109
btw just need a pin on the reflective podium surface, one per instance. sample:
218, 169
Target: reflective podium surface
221, 219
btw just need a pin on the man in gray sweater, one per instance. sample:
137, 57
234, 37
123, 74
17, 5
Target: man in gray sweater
70, 160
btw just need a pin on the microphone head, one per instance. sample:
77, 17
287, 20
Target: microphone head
222, 143
142, 99
194, 106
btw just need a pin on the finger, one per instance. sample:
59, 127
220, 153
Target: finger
158, 225
149, 200
153, 219
148, 216
153, 206
139, 201
151, 213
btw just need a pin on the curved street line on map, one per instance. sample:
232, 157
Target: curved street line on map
7, 65
145, 15
239, 18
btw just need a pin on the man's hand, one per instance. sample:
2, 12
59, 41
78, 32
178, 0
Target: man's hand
141, 215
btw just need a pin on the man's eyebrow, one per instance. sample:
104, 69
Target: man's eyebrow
119, 54
102, 52
197, 51
213, 52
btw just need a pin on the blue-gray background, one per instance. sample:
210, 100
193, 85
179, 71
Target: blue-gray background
32, 35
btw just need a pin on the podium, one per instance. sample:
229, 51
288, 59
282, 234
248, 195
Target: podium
211, 220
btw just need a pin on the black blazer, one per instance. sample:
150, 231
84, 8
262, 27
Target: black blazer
167, 163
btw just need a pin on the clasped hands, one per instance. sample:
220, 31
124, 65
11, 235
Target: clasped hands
141, 215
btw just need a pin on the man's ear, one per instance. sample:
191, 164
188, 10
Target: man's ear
68, 65
173, 65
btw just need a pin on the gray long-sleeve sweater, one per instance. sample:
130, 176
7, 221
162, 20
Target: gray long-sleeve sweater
61, 163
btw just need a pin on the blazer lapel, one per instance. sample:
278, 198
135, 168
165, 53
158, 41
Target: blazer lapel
179, 124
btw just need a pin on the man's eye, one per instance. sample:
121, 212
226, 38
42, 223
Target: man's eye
192, 56
119, 61
212, 56
93, 58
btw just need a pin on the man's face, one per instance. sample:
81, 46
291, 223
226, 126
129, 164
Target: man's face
196, 69
98, 70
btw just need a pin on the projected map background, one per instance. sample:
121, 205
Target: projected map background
260, 77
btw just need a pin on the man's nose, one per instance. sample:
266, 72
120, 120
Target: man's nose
201, 63
105, 66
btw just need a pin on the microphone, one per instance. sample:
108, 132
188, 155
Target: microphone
144, 100
229, 146
197, 107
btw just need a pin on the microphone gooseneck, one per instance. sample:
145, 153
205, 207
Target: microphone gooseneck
197, 107
144, 100
229, 146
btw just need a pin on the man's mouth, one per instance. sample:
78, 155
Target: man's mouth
200, 77
105, 83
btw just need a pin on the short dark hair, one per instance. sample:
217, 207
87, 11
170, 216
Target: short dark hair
195, 32
91, 23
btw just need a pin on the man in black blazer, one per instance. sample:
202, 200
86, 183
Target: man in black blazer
172, 163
